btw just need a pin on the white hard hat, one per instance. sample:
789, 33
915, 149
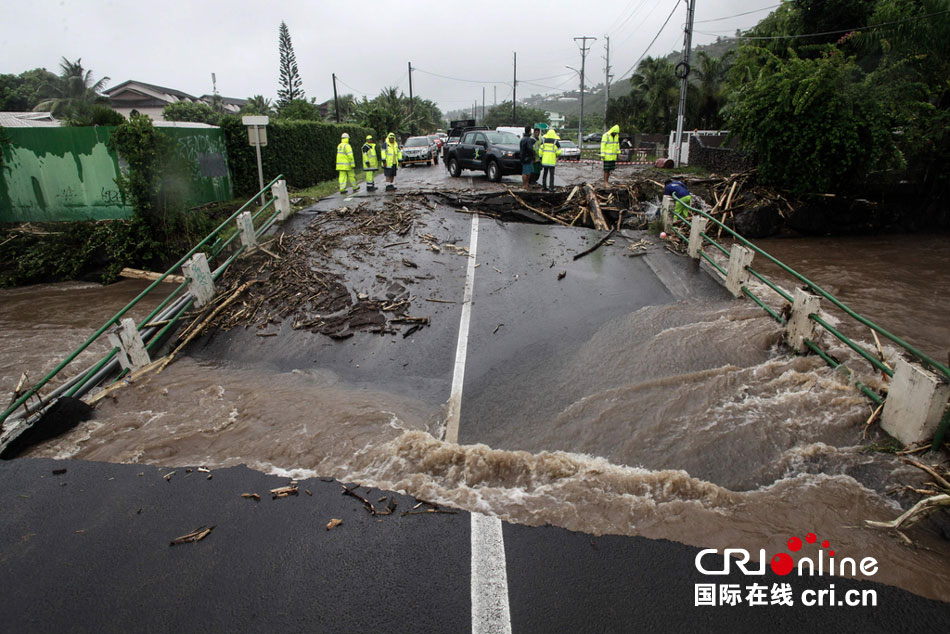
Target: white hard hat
345, 136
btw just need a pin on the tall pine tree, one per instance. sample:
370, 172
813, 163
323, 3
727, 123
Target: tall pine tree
289, 77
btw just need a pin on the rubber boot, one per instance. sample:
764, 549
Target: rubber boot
390, 188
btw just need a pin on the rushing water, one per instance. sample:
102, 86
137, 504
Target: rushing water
730, 443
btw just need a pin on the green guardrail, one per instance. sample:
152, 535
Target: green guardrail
923, 358
215, 249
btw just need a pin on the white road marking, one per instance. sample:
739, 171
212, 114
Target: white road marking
458, 377
490, 611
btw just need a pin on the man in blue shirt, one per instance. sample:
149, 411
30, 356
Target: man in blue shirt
678, 191
526, 150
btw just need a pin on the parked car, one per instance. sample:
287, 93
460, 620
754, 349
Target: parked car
593, 136
495, 153
418, 149
455, 135
570, 151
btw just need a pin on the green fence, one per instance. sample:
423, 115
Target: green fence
68, 174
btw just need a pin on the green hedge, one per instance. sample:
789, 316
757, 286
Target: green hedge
303, 151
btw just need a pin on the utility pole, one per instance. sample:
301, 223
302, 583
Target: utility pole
495, 88
682, 71
514, 91
580, 120
336, 102
412, 122
483, 103
607, 77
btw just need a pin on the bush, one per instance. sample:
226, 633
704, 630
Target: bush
303, 151
198, 112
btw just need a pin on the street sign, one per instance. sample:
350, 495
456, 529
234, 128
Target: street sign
255, 120
257, 135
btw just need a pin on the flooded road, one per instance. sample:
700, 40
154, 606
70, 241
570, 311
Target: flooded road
603, 402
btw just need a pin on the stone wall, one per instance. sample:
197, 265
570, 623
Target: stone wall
713, 153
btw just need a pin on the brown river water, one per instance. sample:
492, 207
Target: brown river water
732, 443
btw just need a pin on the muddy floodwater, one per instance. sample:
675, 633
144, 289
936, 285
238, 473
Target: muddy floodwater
687, 421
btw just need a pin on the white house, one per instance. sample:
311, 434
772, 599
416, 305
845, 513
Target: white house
150, 99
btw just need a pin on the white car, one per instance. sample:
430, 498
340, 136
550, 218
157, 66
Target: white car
569, 151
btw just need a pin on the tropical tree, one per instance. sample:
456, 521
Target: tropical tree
711, 75
523, 115
290, 82
21, 93
259, 105
300, 110
73, 86
655, 86
385, 113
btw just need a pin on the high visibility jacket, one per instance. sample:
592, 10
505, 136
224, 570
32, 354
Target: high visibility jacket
550, 148
391, 153
370, 160
344, 156
610, 144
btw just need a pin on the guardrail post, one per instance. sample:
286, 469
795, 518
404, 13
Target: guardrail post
281, 199
915, 402
800, 327
666, 209
245, 224
697, 227
126, 337
737, 275
201, 283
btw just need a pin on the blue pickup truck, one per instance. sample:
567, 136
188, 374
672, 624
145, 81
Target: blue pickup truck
495, 153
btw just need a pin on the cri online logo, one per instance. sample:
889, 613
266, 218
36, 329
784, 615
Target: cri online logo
783, 564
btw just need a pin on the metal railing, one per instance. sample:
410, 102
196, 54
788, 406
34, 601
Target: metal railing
924, 359
155, 326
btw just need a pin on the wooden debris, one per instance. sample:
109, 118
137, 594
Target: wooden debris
594, 206
595, 247
562, 275
194, 536
282, 492
333, 524
139, 274
251, 496
366, 503
168, 476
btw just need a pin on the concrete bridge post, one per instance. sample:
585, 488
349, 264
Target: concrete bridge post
736, 275
799, 326
132, 354
201, 283
915, 403
246, 226
281, 199
697, 227
666, 209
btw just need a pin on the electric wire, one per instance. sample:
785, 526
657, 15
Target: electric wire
851, 30
651, 42
737, 14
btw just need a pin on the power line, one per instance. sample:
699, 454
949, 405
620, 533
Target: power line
468, 81
359, 92
676, 6
857, 28
728, 17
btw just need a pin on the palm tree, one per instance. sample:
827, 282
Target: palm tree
73, 86
655, 85
711, 73
258, 104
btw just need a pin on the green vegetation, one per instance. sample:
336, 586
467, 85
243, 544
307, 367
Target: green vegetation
501, 115
198, 112
290, 84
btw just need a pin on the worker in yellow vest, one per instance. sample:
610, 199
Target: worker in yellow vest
609, 150
345, 164
550, 150
370, 163
391, 157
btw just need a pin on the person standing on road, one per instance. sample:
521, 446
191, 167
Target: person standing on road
526, 151
550, 150
345, 164
370, 163
391, 157
680, 194
609, 149
536, 176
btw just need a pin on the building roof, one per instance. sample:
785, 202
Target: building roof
150, 89
180, 124
28, 120
231, 101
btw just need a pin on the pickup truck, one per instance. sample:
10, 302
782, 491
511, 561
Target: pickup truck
495, 153
455, 135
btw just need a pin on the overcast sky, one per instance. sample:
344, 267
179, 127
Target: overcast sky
368, 44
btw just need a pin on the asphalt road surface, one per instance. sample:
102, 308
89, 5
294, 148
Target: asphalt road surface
89, 549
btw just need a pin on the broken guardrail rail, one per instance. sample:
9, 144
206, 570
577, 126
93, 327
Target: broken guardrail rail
152, 330
740, 258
